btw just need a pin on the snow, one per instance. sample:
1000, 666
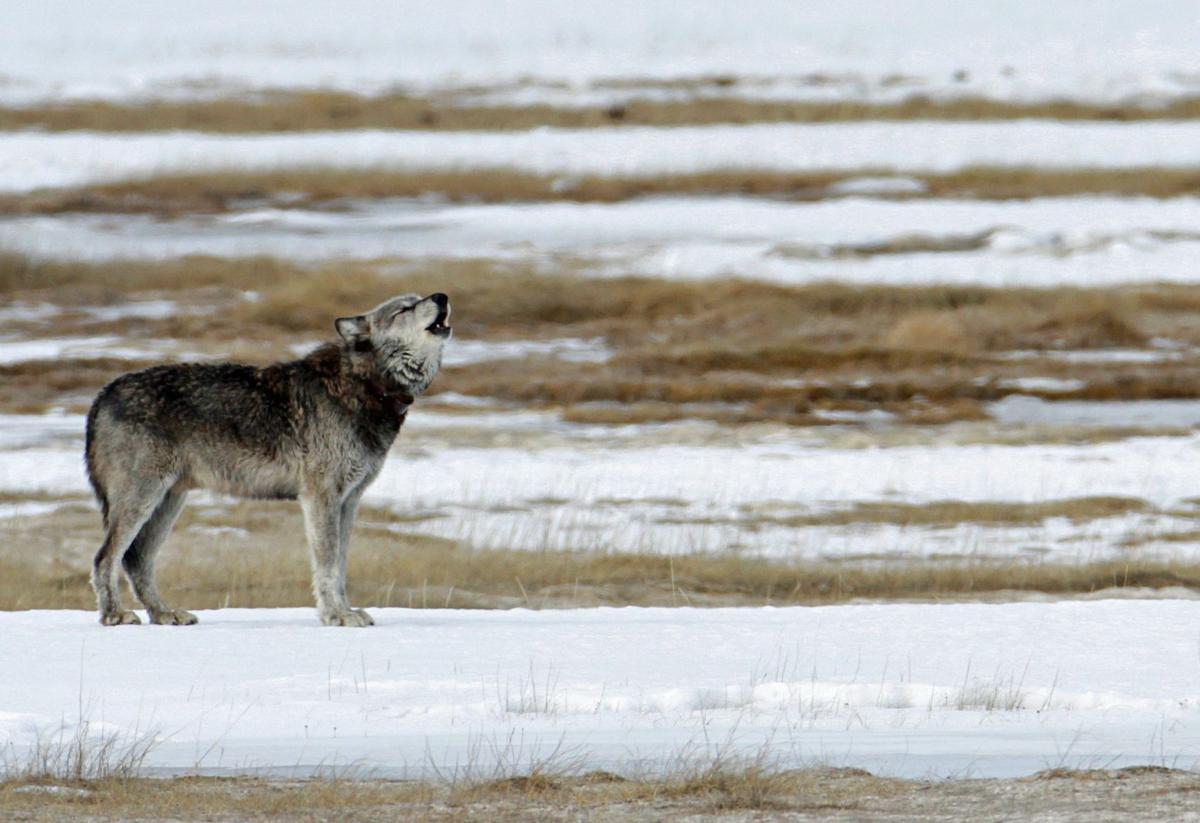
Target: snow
26, 312
1042, 242
1019, 410
19, 350
903, 689
466, 352
27, 508
538, 50
1061, 225
674, 497
62, 791
32, 160
879, 185
141, 309
20, 431
51, 348
570, 349
1096, 355
687, 488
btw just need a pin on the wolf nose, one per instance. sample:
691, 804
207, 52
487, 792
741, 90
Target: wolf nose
440, 298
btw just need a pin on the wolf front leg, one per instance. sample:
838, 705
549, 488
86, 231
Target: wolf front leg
322, 521
345, 527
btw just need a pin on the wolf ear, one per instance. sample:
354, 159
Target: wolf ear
351, 329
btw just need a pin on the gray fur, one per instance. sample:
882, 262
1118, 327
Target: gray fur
316, 429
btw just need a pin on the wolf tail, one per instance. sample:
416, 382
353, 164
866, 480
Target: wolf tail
89, 456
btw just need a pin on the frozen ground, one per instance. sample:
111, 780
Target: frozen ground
1087, 241
32, 160
503, 479
546, 51
909, 690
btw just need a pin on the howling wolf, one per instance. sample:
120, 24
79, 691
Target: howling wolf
315, 429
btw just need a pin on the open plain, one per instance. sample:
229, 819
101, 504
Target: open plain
818, 437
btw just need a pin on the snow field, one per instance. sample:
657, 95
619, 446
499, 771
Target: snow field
689, 488
541, 51
1089, 241
912, 690
23, 350
32, 160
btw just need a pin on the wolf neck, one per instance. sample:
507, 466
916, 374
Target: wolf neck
357, 385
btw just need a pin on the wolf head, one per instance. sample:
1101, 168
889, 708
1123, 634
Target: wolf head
401, 338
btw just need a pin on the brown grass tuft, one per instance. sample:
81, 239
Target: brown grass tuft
942, 331
753, 787
329, 110
1090, 327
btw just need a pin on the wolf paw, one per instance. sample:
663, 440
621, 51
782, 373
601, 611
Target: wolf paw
174, 617
350, 617
123, 617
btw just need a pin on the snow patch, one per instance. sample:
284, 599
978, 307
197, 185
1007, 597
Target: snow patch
1019, 410
32, 160
738, 490
1043, 242
878, 185
902, 689
539, 51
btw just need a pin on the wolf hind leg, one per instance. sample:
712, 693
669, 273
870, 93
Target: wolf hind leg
139, 561
127, 514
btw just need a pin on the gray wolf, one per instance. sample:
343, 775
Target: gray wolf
315, 429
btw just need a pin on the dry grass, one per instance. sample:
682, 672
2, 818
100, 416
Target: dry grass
948, 513
75, 753
1143, 793
254, 555
730, 351
32, 387
196, 798
933, 331
596, 795
90, 283
296, 188
327, 110
771, 325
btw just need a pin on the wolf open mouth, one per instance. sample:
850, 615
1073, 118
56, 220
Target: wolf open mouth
438, 326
